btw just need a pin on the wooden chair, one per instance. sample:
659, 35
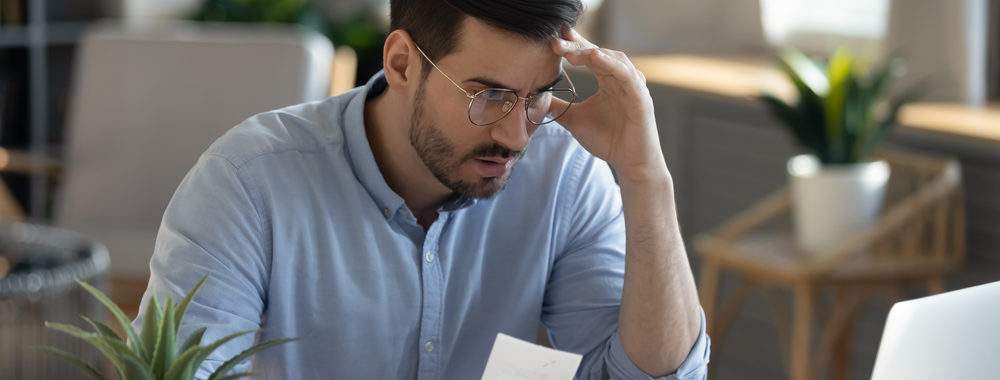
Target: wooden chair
919, 237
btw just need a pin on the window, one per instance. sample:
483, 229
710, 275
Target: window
820, 25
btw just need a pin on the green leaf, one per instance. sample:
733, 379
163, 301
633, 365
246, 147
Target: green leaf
855, 120
182, 307
136, 369
75, 361
117, 312
882, 77
170, 333
150, 327
787, 114
237, 375
193, 340
839, 72
166, 339
207, 350
869, 137
71, 330
103, 329
886, 126
232, 362
810, 83
186, 363
810, 109
110, 347
184, 366
804, 72
116, 342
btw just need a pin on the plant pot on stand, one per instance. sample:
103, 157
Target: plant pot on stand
841, 116
831, 203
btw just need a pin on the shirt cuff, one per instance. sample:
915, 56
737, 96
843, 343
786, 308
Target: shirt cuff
694, 367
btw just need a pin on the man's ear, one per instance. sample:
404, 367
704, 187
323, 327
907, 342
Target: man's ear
401, 61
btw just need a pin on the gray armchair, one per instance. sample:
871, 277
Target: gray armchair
147, 102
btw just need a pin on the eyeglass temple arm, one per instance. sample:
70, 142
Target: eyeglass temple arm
471, 96
568, 79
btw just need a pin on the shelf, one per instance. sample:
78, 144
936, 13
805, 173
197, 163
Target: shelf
62, 33
13, 36
978, 123
747, 77
36, 69
69, 11
15, 89
737, 77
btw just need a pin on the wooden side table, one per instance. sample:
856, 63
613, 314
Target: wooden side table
919, 237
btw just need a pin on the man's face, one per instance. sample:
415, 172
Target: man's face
473, 160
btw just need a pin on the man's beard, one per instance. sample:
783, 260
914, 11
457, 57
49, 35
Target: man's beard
437, 153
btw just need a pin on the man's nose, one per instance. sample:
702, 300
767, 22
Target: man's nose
514, 130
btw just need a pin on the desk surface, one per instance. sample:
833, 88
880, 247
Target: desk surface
745, 77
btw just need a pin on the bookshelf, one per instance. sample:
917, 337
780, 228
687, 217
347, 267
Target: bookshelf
37, 48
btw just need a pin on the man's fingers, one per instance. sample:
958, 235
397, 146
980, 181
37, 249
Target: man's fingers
571, 41
567, 118
605, 63
575, 36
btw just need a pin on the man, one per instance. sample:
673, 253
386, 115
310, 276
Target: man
399, 227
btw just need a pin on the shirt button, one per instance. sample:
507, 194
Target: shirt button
429, 256
405, 212
429, 346
386, 212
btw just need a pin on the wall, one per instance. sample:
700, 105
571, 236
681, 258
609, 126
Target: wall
682, 26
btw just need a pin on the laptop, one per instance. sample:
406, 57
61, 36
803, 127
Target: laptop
953, 335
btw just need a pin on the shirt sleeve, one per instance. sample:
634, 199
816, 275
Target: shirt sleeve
583, 294
213, 226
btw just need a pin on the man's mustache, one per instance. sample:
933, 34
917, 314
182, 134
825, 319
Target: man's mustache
494, 150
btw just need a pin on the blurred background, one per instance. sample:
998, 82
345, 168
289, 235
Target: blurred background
104, 105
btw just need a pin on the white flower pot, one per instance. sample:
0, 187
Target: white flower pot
831, 203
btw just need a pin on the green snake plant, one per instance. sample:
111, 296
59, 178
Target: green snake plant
840, 115
152, 353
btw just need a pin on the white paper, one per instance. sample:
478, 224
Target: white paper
515, 359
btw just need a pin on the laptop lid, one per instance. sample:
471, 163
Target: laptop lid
953, 335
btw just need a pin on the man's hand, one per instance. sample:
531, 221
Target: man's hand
660, 319
617, 123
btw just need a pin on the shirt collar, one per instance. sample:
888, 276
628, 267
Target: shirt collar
363, 161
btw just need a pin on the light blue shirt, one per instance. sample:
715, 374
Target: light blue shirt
289, 213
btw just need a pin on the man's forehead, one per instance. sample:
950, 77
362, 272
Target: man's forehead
486, 52
473, 34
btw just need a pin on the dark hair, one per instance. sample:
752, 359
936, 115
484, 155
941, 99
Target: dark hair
434, 24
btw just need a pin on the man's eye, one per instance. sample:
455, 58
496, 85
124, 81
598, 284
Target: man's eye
493, 95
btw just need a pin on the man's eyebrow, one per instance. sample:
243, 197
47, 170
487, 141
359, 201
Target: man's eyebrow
546, 87
494, 84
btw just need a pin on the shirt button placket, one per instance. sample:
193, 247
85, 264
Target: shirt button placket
432, 280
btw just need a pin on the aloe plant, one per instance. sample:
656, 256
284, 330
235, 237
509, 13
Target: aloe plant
153, 353
840, 115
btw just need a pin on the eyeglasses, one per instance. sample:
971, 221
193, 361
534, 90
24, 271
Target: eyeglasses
490, 105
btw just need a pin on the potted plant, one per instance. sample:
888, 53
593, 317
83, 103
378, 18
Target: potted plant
153, 352
842, 114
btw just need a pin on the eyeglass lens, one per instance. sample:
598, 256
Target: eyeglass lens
491, 105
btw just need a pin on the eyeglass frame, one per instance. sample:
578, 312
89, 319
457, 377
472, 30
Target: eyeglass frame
472, 96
